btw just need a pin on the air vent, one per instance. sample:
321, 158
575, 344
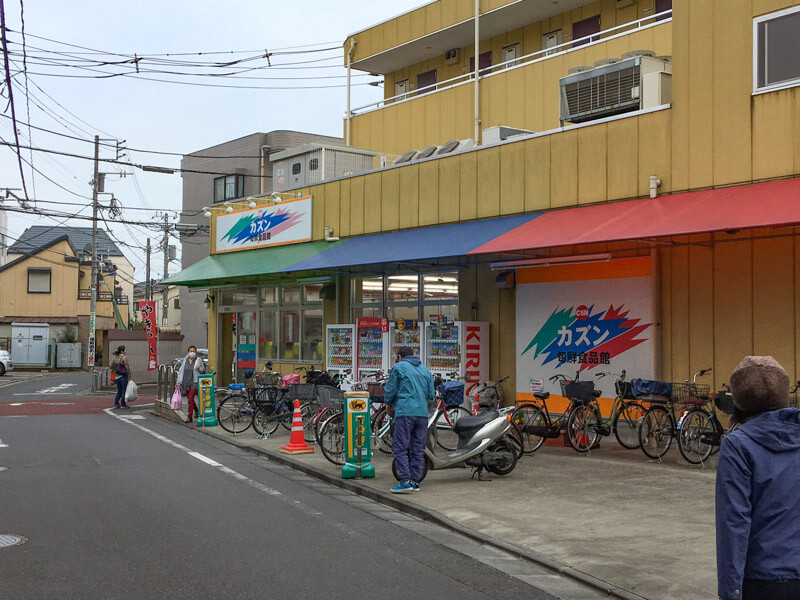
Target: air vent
426, 152
635, 53
448, 147
604, 62
579, 69
406, 157
632, 84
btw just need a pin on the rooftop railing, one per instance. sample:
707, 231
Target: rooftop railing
523, 61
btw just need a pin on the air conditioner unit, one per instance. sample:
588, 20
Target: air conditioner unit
452, 57
635, 83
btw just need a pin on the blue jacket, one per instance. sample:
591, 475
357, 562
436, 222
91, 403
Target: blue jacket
409, 388
758, 529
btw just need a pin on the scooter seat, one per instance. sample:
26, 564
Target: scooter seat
472, 423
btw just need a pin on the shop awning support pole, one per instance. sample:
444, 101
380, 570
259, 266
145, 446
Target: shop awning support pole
655, 278
477, 72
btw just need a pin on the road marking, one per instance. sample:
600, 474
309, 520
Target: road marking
47, 393
16, 404
132, 417
2, 445
205, 459
54, 390
228, 471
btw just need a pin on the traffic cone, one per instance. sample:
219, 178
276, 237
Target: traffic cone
297, 441
475, 406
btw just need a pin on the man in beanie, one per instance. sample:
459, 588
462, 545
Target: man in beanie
758, 506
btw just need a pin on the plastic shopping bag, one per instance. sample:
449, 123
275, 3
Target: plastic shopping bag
177, 399
131, 392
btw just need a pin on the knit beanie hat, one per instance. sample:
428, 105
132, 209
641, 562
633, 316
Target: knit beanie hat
759, 384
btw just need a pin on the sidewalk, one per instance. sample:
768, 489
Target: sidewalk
645, 527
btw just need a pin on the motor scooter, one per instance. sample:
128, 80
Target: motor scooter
482, 444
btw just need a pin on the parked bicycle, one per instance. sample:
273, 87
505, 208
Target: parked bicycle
535, 422
660, 421
489, 395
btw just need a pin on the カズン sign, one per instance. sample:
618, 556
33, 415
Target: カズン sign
271, 225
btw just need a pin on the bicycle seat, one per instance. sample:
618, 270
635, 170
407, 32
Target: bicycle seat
471, 423
541, 395
236, 386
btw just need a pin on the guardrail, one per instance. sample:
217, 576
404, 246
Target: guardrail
564, 48
166, 382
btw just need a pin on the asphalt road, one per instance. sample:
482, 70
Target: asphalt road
131, 506
49, 386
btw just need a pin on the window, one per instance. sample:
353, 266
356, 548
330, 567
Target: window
38, 281
313, 164
296, 168
176, 303
238, 297
411, 296
291, 323
228, 187
585, 28
776, 39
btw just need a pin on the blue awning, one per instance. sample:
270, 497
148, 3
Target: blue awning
442, 241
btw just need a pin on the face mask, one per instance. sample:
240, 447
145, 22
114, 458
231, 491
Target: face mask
192, 354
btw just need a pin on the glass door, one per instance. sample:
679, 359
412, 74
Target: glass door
245, 343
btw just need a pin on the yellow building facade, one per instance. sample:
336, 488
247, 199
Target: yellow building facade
720, 293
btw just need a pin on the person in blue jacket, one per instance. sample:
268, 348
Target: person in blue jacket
408, 391
758, 504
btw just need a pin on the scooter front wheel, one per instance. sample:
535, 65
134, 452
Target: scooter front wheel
425, 467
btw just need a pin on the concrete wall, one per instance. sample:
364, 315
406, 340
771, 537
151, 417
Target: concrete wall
170, 345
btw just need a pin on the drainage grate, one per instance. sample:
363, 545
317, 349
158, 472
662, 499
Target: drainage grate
7, 539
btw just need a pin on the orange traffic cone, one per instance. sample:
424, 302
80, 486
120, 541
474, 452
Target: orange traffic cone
297, 441
475, 407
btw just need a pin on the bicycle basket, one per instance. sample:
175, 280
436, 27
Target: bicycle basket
330, 397
490, 396
453, 393
265, 379
377, 391
305, 392
647, 387
724, 402
577, 390
624, 390
690, 393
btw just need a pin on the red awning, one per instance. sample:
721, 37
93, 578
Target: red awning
742, 207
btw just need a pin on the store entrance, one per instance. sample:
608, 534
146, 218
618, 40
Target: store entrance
245, 343
225, 354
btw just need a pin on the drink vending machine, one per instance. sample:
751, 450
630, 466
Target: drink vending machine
460, 347
406, 332
372, 347
340, 342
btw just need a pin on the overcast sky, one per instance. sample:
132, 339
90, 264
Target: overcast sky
168, 116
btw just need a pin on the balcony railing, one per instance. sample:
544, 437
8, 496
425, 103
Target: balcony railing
101, 296
528, 59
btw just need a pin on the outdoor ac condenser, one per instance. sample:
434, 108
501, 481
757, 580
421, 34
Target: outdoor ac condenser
630, 84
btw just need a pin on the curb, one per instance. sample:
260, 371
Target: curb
427, 514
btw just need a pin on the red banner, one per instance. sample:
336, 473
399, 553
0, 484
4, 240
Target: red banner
148, 308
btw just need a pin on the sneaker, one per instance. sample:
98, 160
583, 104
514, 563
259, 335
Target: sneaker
414, 485
402, 487
124, 406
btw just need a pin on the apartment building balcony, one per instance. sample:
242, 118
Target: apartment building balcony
101, 296
521, 91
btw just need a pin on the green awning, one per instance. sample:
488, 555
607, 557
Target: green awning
247, 266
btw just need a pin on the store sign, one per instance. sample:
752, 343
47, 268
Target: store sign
584, 326
148, 309
272, 225
476, 355
364, 323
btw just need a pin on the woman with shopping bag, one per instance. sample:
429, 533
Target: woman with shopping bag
187, 380
122, 372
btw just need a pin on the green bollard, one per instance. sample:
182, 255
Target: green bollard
357, 436
206, 399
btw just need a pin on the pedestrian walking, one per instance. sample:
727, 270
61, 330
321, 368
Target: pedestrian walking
408, 391
187, 380
758, 530
122, 373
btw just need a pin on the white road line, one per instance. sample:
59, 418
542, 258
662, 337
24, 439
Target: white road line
45, 393
205, 459
2, 445
228, 471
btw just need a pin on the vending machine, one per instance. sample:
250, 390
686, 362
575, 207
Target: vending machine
405, 332
460, 347
372, 347
340, 343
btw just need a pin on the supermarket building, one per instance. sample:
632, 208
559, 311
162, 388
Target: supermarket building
637, 209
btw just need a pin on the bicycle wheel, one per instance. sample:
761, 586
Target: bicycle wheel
331, 439
514, 438
309, 416
695, 437
626, 424
265, 419
443, 431
655, 433
235, 413
382, 429
582, 427
323, 415
525, 417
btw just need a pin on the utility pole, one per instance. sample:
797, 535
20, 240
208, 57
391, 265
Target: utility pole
93, 298
165, 290
147, 289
